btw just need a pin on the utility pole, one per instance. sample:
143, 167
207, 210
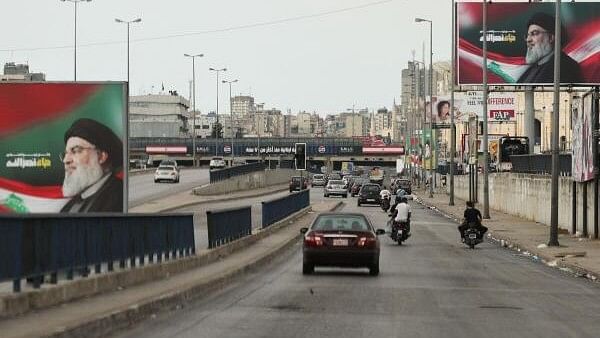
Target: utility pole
452, 126
486, 197
194, 56
555, 120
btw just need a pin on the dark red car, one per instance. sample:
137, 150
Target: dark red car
298, 183
341, 240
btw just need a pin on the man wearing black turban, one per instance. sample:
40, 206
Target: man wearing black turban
93, 155
540, 53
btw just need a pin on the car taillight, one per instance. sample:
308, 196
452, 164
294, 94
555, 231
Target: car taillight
366, 241
313, 240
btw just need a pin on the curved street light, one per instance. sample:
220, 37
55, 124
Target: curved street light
75, 2
193, 56
231, 115
217, 131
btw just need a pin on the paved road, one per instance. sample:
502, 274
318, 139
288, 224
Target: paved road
142, 188
200, 226
431, 287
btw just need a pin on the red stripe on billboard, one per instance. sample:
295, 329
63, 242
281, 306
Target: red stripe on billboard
31, 190
384, 150
26, 104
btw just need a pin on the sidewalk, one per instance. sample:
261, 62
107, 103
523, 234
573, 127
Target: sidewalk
186, 198
100, 315
578, 255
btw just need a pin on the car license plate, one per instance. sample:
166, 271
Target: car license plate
472, 236
370, 200
340, 242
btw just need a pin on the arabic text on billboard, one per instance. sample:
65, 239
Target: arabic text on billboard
520, 39
62, 147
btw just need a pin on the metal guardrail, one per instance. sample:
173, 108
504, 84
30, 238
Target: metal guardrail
225, 226
276, 210
540, 164
223, 174
32, 246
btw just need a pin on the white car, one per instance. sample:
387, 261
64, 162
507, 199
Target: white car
217, 163
166, 173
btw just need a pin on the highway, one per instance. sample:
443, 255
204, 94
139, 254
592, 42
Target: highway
433, 286
142, 188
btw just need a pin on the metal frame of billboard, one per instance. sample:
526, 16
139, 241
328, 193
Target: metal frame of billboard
456, 51
125, 121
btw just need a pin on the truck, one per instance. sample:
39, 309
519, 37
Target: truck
376, 175
347, 168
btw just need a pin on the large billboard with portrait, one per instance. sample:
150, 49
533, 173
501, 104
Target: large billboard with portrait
501, 107
62, 147
521, 43
582, 160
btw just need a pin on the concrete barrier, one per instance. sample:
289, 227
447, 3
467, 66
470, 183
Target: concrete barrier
255, 180
529, 196
16, 304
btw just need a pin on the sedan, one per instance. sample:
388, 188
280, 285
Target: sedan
335, 187
166, 173
341, 240
369, 194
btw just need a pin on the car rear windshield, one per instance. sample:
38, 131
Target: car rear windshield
162, 167
371, 188
336, 182
341, 223
318, 177
296, 179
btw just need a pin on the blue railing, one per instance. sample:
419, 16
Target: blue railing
32, 246
223, 174
276, 210
228, 225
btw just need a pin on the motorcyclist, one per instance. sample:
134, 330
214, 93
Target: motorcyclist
402, 213
386, 197
471, 215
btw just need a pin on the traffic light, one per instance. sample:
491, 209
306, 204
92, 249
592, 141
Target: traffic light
300, 156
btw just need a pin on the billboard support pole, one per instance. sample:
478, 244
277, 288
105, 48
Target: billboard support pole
555, 121
529, 118
574, 208
595, 156
452, 126
486, 198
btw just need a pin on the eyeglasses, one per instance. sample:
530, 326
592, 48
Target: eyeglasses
533, 33
76, 150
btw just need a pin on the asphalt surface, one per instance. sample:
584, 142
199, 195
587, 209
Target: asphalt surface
142, 188
432, 286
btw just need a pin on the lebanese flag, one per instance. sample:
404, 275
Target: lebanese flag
19, 197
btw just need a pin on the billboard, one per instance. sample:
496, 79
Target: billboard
62, 147
502, 107
582, 160
520, 45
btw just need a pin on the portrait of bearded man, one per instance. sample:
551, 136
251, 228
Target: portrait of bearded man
540, 40
93, 156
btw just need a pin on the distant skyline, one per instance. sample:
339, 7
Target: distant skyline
306, 55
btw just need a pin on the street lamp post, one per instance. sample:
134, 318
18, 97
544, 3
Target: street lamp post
231, 114
193, 56
75, 2
128, 23
217, 131
431, 161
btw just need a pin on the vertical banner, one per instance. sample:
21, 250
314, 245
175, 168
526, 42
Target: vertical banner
63, 147
582, 161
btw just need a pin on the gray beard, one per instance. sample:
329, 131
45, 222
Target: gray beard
81, 178
538, 52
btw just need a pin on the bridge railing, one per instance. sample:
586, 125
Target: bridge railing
540, 164
32, 246
227, 225
223, 174
276, 210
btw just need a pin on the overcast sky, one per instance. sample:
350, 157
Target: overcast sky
320, 55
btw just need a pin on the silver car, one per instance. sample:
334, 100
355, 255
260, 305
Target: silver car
335, 187
318, 180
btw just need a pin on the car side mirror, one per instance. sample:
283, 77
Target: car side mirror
380, 232
303, 230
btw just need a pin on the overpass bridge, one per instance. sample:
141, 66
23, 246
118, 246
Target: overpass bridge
275, 151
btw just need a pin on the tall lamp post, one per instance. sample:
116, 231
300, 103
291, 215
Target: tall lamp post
75, 2
217, 131
431, 161
193, 56
231, 115
128, 23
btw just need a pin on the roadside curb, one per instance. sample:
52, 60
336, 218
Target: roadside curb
110, 323
226, 199
532, 253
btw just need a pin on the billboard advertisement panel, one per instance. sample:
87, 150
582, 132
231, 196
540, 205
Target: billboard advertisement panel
62, 147
502, 107
520, 39
582, 160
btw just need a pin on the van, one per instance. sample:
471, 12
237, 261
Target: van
217, 163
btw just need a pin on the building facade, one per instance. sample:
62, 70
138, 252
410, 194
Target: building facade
163, 115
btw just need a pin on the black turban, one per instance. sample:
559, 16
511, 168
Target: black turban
546, 21
100, 136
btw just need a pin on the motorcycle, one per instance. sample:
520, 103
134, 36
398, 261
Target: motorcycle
399, 231
472, 236
385, 203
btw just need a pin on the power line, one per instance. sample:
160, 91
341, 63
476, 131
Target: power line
211, 31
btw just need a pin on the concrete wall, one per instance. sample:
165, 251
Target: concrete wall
250, 181
529, 196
